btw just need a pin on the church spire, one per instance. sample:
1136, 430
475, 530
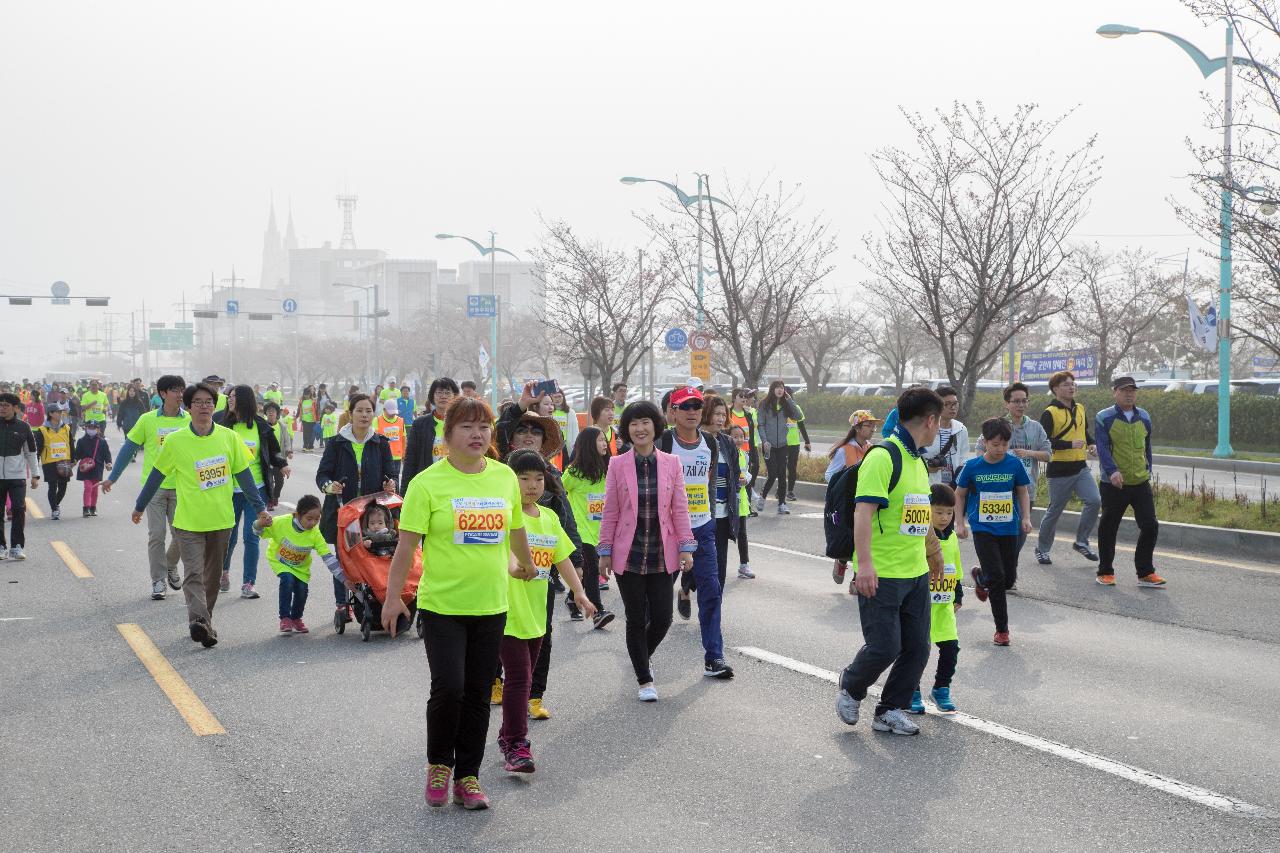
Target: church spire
290, 238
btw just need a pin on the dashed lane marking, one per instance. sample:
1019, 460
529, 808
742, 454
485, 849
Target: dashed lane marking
78, 568
33, 509
188, 704
1147, 778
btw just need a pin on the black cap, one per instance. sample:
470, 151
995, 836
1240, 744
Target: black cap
1123, 382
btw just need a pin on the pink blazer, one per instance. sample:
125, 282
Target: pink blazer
618, 528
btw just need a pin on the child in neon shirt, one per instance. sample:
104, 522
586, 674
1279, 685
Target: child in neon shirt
293, 538
945, 597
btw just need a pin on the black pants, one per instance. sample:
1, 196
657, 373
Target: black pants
793, 465
1114, 503
948, 655
777, 467
462, 652
590, 575
57, 485
647, 604
742, 541
753, 466
16, 492
308, 434
998, 556
275, 484
895, 632
538, 687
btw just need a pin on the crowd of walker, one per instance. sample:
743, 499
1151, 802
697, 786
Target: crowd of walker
504, 511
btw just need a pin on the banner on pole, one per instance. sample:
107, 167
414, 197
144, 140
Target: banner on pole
1204, 327
1039, 366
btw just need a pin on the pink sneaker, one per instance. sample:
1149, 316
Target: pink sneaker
438, 784
519, 759
300, 627
468, 794
286, 626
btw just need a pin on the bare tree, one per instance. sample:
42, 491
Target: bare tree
1116, 300
831, 336
763, 265
601, 304
975, 231
892, 335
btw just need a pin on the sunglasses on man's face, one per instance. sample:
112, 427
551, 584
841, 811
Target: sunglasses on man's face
690, 406
532, 430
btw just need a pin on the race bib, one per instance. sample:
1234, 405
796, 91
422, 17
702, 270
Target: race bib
595, 506
543, 549
163, 432
294, 556
59, 452
439, 449
392, 433
995, 507
479, 521
212, 472
944, 591
916, 516
699, 500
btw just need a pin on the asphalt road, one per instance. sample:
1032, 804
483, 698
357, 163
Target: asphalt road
324, 743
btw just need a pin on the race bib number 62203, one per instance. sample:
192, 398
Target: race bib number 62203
916, 516
479, 521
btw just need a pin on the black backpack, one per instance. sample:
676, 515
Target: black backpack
837, 512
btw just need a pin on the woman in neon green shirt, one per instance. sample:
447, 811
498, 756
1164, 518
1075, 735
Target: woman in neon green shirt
465, 513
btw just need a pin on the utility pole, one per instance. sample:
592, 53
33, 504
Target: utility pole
231, 350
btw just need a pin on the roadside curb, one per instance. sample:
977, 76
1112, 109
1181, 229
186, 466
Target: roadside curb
1256, 545
1239, 466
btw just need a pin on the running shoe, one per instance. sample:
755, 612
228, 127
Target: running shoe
1001, 638
495, 692
225, 583
537, 711
468, 794
791, 496
602, 618
1106, 580
917, 703
286, 626
300, 627
838, 569
718, 669
942, 698
758, 503
1085, 551
604, 583
247, 591
203, 634
519, 759
744, 572
783, 509
1152, 580
979, 585
15, 553
647, 693
575, 614
56, 514
157, 591
1042, 557
93, 512
895, 721
847, 707
175, 582
684, 607
4, 553
437, 792
84, 513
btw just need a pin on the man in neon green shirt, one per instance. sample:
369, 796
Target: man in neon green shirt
273, 395
892, 519
93, 404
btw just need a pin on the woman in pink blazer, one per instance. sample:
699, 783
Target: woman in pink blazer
645, 537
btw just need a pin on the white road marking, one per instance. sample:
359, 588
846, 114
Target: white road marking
789, 551
16, 618
287, 504
1202, 796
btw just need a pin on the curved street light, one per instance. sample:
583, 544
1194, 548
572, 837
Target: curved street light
491, 252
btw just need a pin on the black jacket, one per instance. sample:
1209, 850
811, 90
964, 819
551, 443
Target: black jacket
129, 410
559, 504
365, 478
269, 455
417, 453
721, 447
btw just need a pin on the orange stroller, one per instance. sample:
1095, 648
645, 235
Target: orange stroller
368, 572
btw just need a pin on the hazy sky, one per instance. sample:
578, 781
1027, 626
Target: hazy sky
140, 142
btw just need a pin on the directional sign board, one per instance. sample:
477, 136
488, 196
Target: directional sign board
169, 339
484, 305
290, 306
233, 307
700, 364
700, 340
677, 340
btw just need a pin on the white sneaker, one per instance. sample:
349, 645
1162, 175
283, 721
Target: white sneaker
648, 693
15, 553
894, 720
247, 591
783, 509
744, 572
157, 591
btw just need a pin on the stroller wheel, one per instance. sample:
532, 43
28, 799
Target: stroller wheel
339, 624
365, 630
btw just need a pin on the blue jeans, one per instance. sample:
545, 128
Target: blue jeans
251, 540
706, 576
293, 596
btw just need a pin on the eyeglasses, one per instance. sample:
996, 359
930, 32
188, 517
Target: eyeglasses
532, 430
1017, 401
690, 406
202, 404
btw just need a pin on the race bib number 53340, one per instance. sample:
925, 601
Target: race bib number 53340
916, 516
479, 521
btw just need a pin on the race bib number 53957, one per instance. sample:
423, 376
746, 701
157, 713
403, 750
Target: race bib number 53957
212, 472
479, 521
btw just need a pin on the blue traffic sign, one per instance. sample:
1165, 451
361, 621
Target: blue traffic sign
289, 306
484, 305
677, 340
233, 307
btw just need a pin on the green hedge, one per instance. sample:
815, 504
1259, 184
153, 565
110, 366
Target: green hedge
1179, 418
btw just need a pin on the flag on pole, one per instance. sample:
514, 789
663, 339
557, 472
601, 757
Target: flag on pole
484, 357
1204, 328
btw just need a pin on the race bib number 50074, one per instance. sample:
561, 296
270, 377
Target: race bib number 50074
479, 521
916, 515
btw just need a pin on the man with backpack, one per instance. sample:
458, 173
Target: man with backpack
891, 524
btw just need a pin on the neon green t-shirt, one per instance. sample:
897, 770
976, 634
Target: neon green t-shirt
248, 433
150, 432
439, 449
94, 406
222, 402
793, 429
464, 520
586, 499
307, 411
203, 469
942, 594
389, 394
329, 425
527, 600
899, 528
273, 396
290, 548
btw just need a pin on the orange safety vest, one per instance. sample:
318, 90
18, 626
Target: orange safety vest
744, 422
853, 454
394, 432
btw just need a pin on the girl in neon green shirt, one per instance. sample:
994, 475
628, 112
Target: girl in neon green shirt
292, 540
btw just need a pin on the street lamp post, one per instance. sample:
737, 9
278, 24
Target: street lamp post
1207, 67
491, 252
375, 312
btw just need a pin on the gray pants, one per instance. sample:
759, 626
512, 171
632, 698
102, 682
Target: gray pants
202, 555
1083, 486
159, 522
895, 631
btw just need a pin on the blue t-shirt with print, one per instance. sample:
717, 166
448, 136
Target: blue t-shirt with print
992, 502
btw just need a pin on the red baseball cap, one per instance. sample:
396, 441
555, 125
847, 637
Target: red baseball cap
681, 395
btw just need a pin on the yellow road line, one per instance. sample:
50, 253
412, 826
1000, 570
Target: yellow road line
73, 562
1174, 556
33, 509
198, 717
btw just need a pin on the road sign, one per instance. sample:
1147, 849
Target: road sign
170, 339
483, 305
233, 307
60, 290
700, 364
700, 340
676, 340
60, 300
289, 306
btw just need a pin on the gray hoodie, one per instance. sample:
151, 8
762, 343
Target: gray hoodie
772, 426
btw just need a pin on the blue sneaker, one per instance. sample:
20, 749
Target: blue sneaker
917, 703
942, 698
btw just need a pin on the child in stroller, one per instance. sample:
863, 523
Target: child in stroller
367, 568
379, 534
